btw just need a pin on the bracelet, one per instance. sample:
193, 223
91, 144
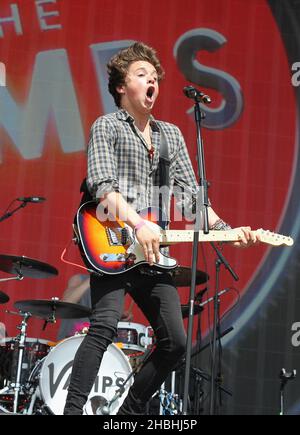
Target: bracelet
220, 225
139, 225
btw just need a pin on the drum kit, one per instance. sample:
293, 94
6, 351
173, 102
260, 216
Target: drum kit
35, 373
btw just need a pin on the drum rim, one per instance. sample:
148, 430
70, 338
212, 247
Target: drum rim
28, 339
82, 336
132, 325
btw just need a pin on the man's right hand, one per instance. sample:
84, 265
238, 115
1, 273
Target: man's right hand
149, 241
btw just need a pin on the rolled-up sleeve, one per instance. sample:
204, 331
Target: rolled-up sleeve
102, 174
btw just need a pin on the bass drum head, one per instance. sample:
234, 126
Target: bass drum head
56, 372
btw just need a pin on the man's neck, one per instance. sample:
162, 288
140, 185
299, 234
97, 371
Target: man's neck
141, 120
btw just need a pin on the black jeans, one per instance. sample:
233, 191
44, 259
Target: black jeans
158, 299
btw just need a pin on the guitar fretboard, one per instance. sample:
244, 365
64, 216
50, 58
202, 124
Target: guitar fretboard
170, 237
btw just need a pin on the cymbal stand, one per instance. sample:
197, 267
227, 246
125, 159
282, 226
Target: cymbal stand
52, 317
169, 403
19, 277
21, 339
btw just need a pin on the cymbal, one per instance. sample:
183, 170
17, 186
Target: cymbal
46, 308
183, 275
3, 298
26, 266
185, 310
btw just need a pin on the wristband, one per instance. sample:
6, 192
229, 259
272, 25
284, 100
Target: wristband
220, 225
139, 225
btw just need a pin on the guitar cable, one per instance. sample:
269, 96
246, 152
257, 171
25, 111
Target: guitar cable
62, 257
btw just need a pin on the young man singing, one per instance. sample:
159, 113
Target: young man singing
123, 173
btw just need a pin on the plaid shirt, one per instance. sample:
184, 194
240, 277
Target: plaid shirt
119, 160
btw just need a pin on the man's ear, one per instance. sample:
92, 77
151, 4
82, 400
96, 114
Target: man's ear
120, 89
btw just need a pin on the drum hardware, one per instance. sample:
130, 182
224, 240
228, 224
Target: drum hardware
44, 390
133, 336
18, 278
22, 266
49, 310
34, 394
18, 354
170, 395
171, 392
17, 387
4, 410
169, 402
134, 339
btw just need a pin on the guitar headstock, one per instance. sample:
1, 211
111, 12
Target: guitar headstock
274, 239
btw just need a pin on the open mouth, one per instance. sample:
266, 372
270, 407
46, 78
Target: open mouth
150, 92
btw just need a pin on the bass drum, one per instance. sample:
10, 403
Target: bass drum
55, 372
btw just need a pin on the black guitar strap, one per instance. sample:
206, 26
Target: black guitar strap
164, 177
86, 196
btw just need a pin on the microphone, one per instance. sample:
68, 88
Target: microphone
104, 408
191, 92
33, 199
97, 405
103, 411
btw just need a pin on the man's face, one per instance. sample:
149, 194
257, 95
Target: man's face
141, 87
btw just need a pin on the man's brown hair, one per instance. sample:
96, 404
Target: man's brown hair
118, 66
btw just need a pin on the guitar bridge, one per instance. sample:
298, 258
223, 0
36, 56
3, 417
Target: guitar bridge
113, 258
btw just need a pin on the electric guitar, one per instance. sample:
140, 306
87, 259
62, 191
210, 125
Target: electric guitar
110, 246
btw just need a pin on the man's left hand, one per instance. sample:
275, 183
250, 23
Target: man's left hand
247, 238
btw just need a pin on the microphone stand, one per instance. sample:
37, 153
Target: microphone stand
285, 377
10, 213
215, 381
196, 351
104, 409
201, 217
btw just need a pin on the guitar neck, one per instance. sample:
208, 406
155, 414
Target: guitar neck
171, 237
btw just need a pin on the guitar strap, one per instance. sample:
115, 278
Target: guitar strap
86, 196
164, 178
